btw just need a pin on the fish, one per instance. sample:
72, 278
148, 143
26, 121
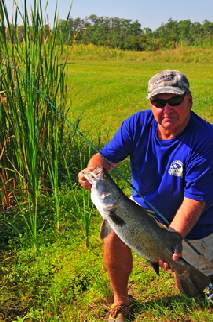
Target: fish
138, 229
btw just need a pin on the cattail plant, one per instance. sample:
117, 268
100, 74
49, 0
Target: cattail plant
31, 130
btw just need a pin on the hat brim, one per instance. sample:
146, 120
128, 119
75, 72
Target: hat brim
166, 90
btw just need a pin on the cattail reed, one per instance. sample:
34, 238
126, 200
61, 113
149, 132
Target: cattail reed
31, 130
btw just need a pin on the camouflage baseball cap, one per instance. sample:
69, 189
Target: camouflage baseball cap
168, 81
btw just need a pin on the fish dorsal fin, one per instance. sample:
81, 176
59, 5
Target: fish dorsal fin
160, 224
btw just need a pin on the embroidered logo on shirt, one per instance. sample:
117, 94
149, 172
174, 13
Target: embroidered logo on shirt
176, 168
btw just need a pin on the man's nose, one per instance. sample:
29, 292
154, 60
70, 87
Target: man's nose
167, 108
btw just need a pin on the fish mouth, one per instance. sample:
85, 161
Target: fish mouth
98, 173
94, 175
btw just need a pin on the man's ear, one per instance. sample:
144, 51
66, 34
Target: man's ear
190, 100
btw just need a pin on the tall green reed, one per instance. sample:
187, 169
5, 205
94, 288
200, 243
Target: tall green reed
80, 200
31, 131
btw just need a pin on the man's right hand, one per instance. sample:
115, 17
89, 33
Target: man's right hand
95, 161
83, 181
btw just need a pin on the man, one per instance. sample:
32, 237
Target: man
171, 158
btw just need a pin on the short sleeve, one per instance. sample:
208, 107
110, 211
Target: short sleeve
199, 175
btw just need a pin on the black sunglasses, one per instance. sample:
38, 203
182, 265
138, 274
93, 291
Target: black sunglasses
173, 101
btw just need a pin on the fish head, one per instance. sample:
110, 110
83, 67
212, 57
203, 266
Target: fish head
101, 192
94, 176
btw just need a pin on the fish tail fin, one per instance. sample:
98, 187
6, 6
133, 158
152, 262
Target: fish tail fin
193, 282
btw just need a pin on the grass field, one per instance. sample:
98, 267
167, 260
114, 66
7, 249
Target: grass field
107, 92
65, 281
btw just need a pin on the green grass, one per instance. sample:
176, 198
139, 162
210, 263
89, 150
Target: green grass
107, 92
65, 280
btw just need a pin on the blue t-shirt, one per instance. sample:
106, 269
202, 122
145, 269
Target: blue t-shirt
164, 171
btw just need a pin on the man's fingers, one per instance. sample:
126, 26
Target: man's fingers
165, 266
84, 182
176, 256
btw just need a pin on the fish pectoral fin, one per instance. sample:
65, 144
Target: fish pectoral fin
105, 229
116, 219
155, 265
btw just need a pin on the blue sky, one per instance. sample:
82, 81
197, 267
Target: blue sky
150, 14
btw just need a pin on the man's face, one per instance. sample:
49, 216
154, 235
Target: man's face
172, 118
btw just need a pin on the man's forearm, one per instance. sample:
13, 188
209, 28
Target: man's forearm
187, 216
98, 160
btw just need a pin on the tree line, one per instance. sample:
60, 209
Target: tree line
128, 34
